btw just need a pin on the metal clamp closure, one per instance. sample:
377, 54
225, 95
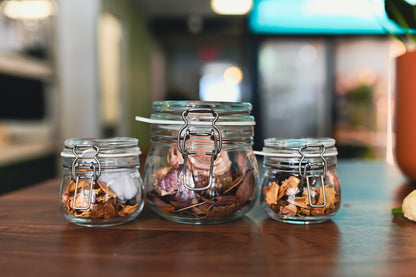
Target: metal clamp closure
184, 134
317, 165
79, 163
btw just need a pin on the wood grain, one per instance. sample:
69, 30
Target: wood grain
363, 239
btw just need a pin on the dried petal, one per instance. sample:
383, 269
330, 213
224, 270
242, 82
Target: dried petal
291, 185
289, 210
71, 187
302, 201
329, 195
168, 185
271, 193
125, 210
107, 190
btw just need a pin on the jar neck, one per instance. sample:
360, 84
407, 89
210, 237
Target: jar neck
105, 163
315, 164
230, 135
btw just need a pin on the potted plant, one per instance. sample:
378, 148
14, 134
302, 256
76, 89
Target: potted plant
403, 14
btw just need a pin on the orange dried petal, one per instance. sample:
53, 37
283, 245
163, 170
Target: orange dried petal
107, 190
301, 201
271, 193
125, 210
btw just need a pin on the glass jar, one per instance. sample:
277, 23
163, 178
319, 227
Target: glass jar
201, 167
300, 183
101, 185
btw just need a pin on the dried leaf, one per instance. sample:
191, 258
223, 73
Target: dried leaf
222, 211
109, 211
159, 203
247, 188
226, 200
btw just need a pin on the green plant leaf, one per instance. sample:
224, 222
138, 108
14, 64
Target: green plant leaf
401, 12
397, 211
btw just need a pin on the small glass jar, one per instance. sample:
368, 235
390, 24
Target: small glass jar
201, 168
300, 184
101, 185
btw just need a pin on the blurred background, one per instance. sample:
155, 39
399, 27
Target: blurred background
76, 68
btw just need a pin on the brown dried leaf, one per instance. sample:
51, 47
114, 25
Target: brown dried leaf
226, 200
109, 211
247, 187
159, 203
222, 211
237, 181
271, 193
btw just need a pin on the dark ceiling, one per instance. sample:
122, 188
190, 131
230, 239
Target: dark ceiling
189, 17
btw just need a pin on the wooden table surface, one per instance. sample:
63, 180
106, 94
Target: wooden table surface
363, 239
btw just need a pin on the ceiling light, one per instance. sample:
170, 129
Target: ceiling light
231, 7
28, 9
233, 75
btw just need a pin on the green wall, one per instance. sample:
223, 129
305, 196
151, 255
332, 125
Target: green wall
138, 44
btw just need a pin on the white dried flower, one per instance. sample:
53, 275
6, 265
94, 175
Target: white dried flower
409, 206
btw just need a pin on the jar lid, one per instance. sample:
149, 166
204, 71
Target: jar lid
298, 147
229, 113
108, 147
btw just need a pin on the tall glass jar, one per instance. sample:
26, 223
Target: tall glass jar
201, 167
101, 185
300, 184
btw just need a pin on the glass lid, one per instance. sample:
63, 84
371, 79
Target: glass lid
111, 147
298, 147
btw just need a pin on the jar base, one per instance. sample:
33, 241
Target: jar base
296, 219
300, 220
102, 222
199, 221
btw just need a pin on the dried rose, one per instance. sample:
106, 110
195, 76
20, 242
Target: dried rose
168, 184
200, 162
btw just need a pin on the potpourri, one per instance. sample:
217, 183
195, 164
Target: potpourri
231, 191
104, 201
287, 195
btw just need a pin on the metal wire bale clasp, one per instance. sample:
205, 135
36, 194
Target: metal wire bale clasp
184, 134
308, 166
88, 154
